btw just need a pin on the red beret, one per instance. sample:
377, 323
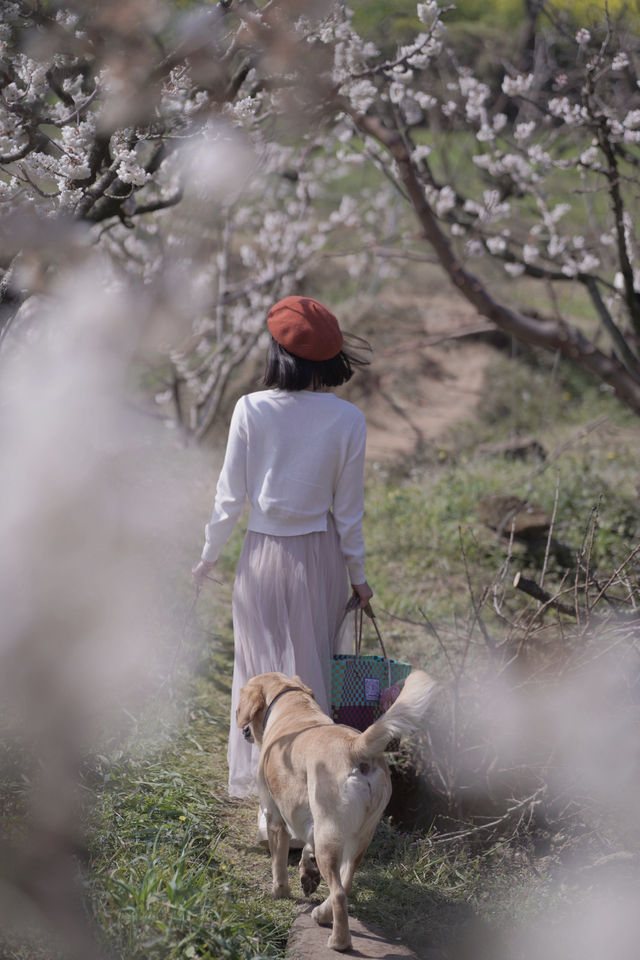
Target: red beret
305, 328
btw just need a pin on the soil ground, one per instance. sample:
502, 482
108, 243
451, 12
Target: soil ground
425, 379
308, 941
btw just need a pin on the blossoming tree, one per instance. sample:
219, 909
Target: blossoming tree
203, 151
554, 199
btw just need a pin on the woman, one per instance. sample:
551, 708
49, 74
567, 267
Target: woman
296, 451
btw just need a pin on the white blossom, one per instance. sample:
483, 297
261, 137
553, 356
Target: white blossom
499, 122
475, 92
397, 92
425, 100
351, 158
362, 94
496, 244
421, 59
411, 111
346, 214
400, 72
493, 208
530, 253
446, 201
515, 165
485, 134
559, 211
583, 37
571, 113
619, 283
427, 11
589, 262
483, 160
420, 152
524, 130
514, 269
556, 246
620, 61
11, 93
473, 248
518, 85
68, 196
539, 156
589, 156
130, 169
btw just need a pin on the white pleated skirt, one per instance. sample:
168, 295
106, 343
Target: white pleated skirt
289, 597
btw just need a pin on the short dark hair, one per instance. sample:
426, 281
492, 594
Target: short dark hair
287, 372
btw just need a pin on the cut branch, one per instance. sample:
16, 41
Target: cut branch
531, 588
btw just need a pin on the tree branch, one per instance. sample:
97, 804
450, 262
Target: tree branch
154, 205
550, 334
630, 359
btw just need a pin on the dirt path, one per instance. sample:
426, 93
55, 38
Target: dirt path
422, 382
308, 941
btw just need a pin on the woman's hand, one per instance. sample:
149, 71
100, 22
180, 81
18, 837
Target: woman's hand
201, 571
363, 594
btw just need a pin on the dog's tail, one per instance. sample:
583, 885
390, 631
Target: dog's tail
403, 718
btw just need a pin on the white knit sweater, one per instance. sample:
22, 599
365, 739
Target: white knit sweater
295, 455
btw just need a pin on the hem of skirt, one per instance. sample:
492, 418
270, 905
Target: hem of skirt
248, 790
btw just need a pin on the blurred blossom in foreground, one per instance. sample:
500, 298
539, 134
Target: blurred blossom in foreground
560, 751
83, 530
215, 165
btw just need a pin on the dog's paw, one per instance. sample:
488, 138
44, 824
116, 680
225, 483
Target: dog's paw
322, 915
281, 891
339, 943
309, 878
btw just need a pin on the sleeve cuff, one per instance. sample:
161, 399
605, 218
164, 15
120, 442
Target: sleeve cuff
356, 572
209, 553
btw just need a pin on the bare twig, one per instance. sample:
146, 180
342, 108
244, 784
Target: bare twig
490, 642
503, 572
616, 573
523, 807
550, 534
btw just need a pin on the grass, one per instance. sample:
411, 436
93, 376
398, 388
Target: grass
174, 869
172, 881
424, 519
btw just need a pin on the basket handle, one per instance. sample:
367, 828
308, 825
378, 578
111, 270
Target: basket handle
358, 621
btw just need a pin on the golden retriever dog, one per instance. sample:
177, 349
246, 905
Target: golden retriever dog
324, 783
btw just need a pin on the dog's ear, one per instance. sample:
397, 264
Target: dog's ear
250, 702
303, 686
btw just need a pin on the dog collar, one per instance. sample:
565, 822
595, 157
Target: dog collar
273, 703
